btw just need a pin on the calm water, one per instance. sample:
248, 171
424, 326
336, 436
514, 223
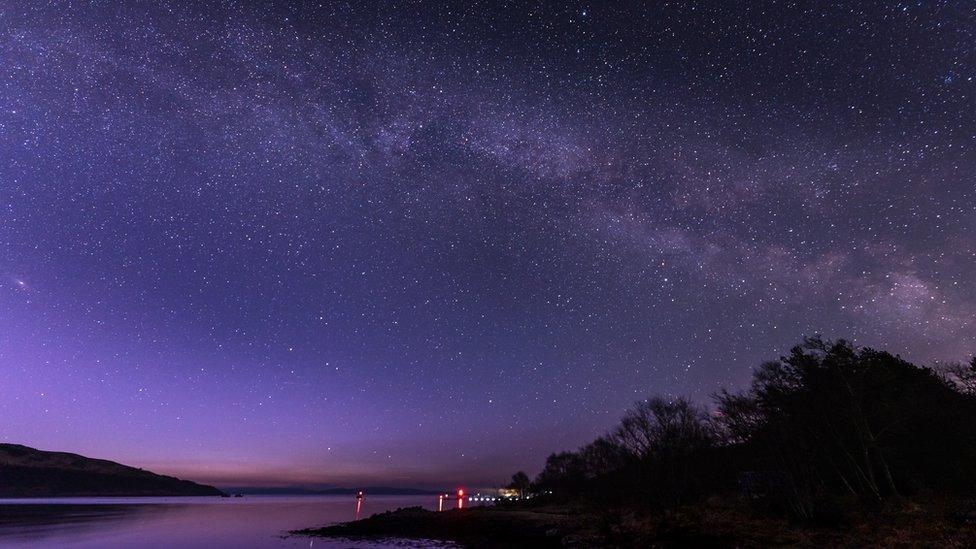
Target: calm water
251, 521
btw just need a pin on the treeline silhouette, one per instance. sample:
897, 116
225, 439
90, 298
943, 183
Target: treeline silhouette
828, 422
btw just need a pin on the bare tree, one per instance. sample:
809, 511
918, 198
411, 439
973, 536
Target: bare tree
659, 427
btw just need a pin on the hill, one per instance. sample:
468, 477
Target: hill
28, 472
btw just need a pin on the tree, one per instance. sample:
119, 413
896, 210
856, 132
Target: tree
520, 482
667, 441
827, 419
961, 376
602, 457
563, 474
663, 428
737, 418
854, 420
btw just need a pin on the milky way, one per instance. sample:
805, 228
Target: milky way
424, 244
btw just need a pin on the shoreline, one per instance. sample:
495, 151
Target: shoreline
477, 527
717, 522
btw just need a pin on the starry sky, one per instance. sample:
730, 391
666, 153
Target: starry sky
421, 244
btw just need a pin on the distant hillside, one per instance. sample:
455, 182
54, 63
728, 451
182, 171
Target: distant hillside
381, 491
370, 490
28, 472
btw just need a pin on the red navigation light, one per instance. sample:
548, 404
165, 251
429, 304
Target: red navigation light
460, 493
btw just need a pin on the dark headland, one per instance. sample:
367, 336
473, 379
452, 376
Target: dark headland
28, 472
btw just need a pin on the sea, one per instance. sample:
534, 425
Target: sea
194, 522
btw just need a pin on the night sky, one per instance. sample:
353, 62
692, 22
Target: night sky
426, 244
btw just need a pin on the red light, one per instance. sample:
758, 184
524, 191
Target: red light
460, 493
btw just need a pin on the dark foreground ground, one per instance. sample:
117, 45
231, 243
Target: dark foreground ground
474, 527
715, 523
